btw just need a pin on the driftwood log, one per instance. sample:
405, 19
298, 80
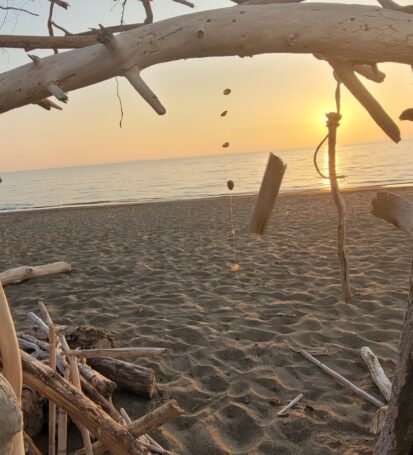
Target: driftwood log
19, 274
377, 373
136, 379
80, 408
397, 435
11, 420
33, 411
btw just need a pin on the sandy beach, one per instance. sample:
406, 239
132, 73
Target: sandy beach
159, 275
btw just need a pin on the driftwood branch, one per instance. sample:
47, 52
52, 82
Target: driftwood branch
149, 422
118, 352
377, 373
285, 409
342, 380
332, 30
19, 274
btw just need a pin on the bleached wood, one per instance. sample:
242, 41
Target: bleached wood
81, 409
10, 355
149, 422
292, 403
246, 30
11, 419
19, 274
62, 424
379, 418
74, 373
270, 186
394, 209
342, 380
333, 119
118, 352
377, 373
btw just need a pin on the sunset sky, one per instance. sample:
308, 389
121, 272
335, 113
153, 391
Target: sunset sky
277, 102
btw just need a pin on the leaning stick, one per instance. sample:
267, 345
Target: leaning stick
10, 353
29, 441
292, 403
145, 424
52, 365
74, 372
377, 373
118, 352
342, 380
333, 119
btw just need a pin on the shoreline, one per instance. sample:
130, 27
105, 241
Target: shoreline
290, 193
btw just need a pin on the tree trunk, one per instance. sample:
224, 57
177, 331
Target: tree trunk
362, 34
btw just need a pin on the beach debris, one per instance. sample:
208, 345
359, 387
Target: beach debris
235, 268
227, 91
267, 195
407, 115
225, 145
342, 380
19, 274
284, 411
275, 401
232, 231
378, 420
230, 185
224, 113
377, 373
118, 352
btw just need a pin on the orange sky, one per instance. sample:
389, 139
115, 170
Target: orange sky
277, 101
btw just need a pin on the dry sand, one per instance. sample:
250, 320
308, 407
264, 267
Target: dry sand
159, 275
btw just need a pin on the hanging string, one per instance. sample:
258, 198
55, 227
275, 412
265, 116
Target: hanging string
337, 96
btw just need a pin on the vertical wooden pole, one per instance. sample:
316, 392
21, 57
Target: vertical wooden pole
333, 119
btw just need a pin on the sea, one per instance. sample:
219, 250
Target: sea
363, 165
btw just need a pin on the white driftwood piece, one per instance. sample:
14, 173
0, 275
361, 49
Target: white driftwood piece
118, 352
377, 373
394, 209
362, 34
11, 419
285, 409
10, 355
342, 380
19, 274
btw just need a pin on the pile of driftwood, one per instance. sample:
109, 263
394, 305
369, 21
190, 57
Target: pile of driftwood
76, 371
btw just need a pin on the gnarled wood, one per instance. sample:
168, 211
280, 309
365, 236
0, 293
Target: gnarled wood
394, 209
377, 373
326, 29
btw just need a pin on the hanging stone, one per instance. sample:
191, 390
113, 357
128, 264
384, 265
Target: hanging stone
234, 268
227, 91
223, 114
225, 145
230, 185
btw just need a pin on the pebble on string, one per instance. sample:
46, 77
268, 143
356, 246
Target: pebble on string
230, 185
227, 91
224, 113
225, 145
235, 268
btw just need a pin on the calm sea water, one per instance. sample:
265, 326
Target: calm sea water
187, 178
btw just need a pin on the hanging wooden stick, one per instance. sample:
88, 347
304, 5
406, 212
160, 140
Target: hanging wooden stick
333, 119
